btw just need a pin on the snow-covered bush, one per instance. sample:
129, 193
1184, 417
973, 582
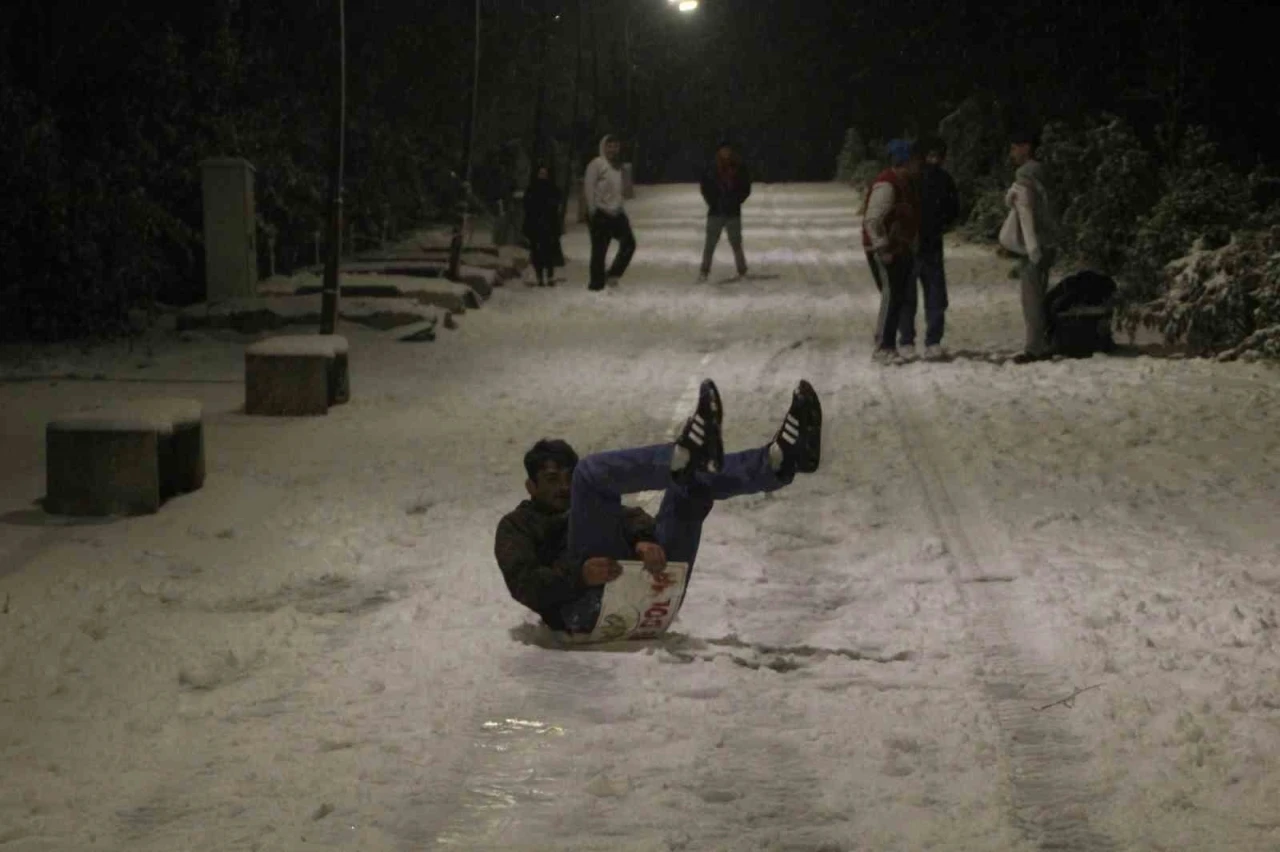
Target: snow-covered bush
977, 148
987, 213
853, 151
1203, 201
853, 165
1103, 181
1222, 300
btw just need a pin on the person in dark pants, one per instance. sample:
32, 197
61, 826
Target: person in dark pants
890, 224
939, 208
725, 186
558, 549
607, 220
543, 226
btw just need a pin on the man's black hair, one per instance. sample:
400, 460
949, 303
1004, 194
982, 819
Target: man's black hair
1025, 135
544, 451
933, 145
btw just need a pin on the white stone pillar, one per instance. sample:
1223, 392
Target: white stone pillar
230, 228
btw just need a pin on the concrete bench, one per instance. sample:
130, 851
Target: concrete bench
296, 375
124, 460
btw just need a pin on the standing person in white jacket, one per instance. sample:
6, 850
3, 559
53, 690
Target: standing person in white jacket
1031, 232
606, 219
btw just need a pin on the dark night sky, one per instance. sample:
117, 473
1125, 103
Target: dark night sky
783, 77
787, 77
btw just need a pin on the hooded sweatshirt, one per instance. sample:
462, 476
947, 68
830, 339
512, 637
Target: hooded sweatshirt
1031, 227
531, 547
726, 185
603, 185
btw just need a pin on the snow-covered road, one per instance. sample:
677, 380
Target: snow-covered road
317, 651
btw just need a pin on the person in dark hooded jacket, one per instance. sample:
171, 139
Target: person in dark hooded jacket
939, 209
543, 226
725, 186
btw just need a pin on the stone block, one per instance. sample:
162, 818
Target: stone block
296, 375
124, 460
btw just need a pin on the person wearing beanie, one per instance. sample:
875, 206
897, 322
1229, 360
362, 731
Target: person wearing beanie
606, 218
725, 186
1031, 232
890, 227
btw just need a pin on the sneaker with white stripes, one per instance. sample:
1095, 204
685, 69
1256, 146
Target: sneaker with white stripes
800, 436
700, 436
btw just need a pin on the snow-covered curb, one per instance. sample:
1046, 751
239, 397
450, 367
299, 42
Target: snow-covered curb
251, 315
449, 295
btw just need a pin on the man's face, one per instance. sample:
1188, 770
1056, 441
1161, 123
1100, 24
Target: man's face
551, 487
612, 149
1019, 152
543, 174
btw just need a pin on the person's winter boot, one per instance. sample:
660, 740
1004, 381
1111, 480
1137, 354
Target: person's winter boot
699, 446
907, 351
612, 281
887, 357
800, 436
934, 352
542, 281
702, 278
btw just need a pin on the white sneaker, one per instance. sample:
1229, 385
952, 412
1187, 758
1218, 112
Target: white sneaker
907, 352
934, 352
887, 357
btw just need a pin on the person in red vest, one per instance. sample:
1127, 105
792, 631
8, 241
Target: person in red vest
890, 228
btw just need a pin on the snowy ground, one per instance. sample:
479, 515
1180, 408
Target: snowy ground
316, 650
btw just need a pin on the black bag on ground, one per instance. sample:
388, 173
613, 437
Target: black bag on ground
1080, 309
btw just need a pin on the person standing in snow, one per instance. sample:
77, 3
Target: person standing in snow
559, 548
890, 226
725, 186
939, 207
606, 219
543, 226
1031, 232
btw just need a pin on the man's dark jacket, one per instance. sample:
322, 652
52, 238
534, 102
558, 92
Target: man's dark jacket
722, 200
532, 549
939, 207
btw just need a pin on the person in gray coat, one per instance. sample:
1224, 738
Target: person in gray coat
1031, 232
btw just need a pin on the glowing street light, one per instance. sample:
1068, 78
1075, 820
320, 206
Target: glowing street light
687, 5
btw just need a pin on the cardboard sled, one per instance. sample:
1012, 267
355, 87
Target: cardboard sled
637, 605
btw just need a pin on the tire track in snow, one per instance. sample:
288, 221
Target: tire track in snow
1049, 806
1049, 803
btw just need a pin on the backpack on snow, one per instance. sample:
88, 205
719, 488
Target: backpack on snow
1080, 310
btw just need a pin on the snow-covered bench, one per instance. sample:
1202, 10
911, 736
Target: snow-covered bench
124, 460
293, 375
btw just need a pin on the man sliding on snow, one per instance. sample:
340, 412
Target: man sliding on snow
559, 548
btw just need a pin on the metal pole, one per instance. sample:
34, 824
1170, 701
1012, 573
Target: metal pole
455, 245
573, 123
333, 252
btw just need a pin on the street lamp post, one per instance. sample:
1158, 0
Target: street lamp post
333, 251
464, 212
